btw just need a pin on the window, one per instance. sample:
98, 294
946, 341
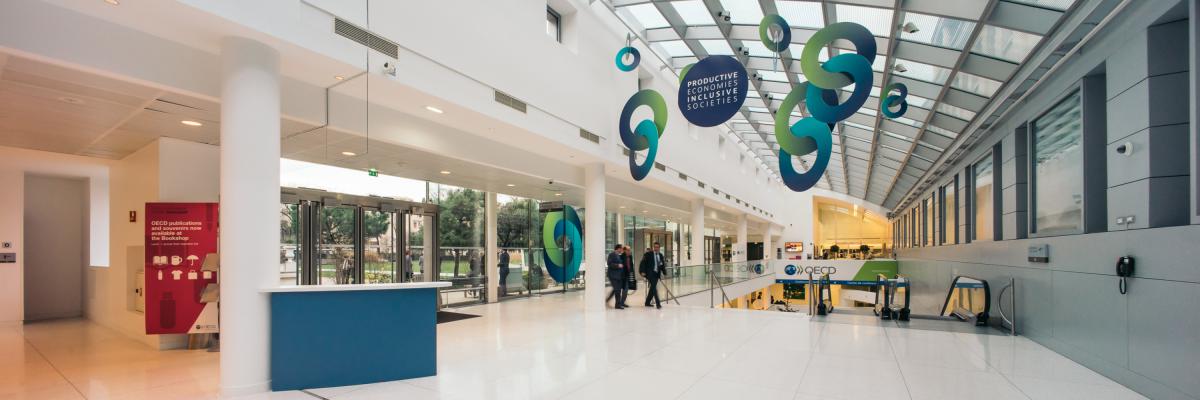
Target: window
983, 199
949, 214
1057, 149
553, 25
930, 223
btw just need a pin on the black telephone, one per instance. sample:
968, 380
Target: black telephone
1124, 270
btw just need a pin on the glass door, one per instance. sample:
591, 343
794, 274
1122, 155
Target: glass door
289, 244
379, 246
336, 245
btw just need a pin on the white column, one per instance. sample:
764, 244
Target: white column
620, 239
739, 247
697, 253
249, 211
593, 237
492, 251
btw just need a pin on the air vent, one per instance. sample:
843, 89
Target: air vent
660, 167
591, 137
366, 38
682, 177
715, 191
510, 101
700, 184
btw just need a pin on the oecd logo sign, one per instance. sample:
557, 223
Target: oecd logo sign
758, 269
790, 269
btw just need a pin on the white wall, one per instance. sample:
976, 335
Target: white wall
14, 164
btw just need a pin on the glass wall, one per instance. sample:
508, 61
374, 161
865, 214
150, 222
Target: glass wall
849, 227
460, 229
1058, 169
289, 244
949, 214
379, 246
930, 221
982, 209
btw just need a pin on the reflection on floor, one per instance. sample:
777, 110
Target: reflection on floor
547, 347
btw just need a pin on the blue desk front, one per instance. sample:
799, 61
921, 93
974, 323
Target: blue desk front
324, 336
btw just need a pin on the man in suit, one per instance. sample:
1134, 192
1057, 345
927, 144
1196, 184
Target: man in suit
630, 277
503, 264
616, 276
652, 267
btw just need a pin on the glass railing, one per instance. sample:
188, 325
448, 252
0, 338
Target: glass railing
711, 278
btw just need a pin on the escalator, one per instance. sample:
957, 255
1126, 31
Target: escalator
968, 299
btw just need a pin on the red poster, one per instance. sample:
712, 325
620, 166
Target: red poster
178, 238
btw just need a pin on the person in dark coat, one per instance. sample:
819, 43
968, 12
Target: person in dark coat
630, 277
652, 268
503, 264
617, 272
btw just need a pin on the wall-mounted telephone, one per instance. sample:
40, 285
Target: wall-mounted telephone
1124, 270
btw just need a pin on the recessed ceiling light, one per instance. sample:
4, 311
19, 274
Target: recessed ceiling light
434, 109
189, 122
511, 185
445, 172
339, 77
70, 100
645, 211
558, 194
349, 153
621, 207
113, 2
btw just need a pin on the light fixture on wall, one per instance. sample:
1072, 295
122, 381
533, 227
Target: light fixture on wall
189, 122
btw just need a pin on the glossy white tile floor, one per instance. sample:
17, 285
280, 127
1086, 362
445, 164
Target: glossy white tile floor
547, 348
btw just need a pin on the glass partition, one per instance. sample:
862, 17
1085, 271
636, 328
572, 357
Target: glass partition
982, 209
1058, 169
379, 246
289, 244
461, 257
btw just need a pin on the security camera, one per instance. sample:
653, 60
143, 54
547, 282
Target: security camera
551, 182
909, 27
389, 68
900, 68
723, 15
1125, 149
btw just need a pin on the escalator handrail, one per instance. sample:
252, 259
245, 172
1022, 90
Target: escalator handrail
987, 294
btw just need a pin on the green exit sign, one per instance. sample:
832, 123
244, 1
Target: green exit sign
373, 172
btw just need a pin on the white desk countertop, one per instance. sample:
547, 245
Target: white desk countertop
338, 288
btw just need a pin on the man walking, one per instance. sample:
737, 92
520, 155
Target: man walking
630, 277
503, 264
652, 268
616, 277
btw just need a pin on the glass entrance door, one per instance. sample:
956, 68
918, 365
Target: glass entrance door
379, 246
335, 245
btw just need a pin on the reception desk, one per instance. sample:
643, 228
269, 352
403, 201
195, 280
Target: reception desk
338, 335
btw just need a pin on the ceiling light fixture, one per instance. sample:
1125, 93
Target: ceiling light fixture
113, 2
558, 194
909, 27
511, 185
445, 172
339, 77
189, 122
349, 153
434, 109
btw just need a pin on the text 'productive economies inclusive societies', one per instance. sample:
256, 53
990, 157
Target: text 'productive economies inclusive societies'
712, 91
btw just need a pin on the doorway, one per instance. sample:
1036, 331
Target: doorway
55, 246
337, 239
644, 239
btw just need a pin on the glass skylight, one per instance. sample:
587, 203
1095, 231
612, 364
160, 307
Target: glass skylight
806, 14
647, 16
938, 31
975, 84
674, 48
1005, 44
693, 12
877, 20
922, 71
960, 113
948, 29
743, 12
716, 47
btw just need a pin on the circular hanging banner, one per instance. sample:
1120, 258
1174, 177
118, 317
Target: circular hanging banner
562, 239
713, 90
635, 59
